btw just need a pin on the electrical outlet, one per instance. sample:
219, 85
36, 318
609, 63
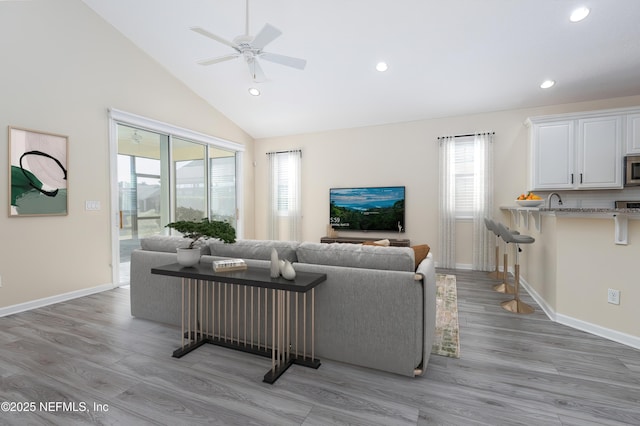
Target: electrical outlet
613, 296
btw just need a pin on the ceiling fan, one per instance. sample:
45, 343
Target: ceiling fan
251, 49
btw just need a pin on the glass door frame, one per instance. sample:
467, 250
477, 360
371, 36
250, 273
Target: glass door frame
117, 117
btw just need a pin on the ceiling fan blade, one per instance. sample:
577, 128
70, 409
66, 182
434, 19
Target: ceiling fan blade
284, 60
256, 70
212, 36
218, 59
266, 35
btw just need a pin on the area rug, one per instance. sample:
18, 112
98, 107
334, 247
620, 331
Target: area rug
446, 341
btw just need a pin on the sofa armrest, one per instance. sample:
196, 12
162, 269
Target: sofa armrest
427, 269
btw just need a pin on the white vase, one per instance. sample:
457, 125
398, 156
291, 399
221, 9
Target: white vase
188, 257
275, 264
288, 272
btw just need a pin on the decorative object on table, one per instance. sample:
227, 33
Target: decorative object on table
529, 200
198, 231
228, 265
38, 176
287, 271
275, 264
331, 232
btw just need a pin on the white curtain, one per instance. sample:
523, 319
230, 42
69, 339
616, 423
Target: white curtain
470, 164
483, 253
285, 205
447, 204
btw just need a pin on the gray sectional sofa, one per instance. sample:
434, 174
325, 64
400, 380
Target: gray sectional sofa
376, 309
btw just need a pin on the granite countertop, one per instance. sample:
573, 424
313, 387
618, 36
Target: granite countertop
600, 210
588, 210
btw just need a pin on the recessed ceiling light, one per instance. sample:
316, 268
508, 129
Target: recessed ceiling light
254, 92
382, 66
579, 14
547, 83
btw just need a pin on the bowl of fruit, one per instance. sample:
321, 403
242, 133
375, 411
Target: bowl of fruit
529, 200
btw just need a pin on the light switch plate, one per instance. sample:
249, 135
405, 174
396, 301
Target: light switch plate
92, 205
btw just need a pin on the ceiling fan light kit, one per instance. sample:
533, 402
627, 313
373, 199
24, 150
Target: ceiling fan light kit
251, 49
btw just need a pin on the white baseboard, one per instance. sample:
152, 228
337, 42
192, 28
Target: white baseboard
551, 313
33, 304
607, 333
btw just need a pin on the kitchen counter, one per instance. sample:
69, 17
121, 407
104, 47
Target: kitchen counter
585, 210
620, 216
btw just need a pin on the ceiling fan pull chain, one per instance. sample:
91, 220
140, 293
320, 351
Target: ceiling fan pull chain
247, 20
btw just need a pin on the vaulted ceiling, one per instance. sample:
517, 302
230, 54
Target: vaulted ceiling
445, 58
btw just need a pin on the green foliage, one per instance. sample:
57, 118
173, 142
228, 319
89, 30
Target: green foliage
384, 218
188, 213
204, 229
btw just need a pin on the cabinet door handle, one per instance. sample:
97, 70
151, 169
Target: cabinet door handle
572, 178
580, 177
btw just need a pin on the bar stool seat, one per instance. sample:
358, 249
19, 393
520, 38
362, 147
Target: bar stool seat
503, 287
515, 305
496, 274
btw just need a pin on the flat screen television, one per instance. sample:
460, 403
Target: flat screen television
378, 208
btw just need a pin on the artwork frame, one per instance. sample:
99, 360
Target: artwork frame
38, 164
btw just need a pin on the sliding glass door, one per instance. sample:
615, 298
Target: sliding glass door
163, 177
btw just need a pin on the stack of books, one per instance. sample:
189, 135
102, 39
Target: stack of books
229, 265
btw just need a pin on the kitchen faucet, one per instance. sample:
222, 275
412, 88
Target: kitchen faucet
549, 199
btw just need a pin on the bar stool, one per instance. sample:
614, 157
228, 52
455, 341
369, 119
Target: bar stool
496, 275
515, 305
504, 287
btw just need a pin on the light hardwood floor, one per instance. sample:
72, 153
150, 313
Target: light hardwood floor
513, 370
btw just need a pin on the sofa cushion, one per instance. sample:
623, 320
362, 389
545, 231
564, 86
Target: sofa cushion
255, 249
168, 244
420, 252
358, 256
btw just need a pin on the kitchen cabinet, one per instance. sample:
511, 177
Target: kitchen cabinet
576, 151
633, 133
599, 156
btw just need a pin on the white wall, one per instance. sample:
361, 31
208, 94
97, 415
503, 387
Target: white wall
407, 154
63, 67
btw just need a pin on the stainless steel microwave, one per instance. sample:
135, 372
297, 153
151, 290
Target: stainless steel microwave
632, 170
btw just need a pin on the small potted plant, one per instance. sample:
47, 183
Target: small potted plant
198, 231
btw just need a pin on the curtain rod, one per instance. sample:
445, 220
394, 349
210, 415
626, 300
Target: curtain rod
284, 152
465, 136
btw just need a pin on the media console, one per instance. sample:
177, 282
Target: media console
355, 240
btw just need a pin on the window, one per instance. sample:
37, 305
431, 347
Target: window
464, 165
162, 173
284, 193
466, 192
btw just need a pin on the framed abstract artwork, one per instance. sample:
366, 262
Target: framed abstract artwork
37, 173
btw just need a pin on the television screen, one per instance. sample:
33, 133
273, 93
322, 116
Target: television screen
367, 209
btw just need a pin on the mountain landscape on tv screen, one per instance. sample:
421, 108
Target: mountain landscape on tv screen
367, 209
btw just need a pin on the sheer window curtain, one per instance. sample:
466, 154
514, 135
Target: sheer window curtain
285, 205
482, 204
447, 203
482, 201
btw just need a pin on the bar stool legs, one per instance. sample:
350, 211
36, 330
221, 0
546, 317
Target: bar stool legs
516, 305
496, 275
505, 287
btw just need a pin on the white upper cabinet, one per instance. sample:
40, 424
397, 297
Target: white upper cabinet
581, 151
599, 154
553, 155
633, 133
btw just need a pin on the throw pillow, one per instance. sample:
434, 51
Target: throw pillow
420, 251
380, 243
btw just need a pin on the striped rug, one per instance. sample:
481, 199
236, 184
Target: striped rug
446, 341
